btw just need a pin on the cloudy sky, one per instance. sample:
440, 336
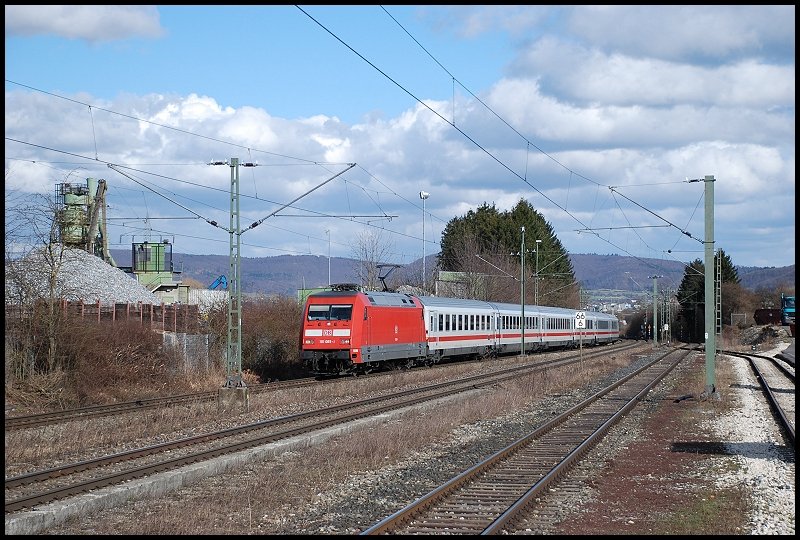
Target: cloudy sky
598, 116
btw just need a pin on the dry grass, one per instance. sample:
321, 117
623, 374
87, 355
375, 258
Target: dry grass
259, 498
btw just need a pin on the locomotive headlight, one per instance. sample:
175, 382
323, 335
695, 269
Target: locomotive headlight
345, 341
308, 341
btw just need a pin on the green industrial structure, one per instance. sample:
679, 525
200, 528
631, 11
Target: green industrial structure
81, 220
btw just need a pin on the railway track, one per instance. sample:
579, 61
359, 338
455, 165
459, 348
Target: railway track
39, 487
97, 411
776, 377
493, 496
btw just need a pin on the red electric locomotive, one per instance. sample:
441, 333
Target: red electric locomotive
348, 331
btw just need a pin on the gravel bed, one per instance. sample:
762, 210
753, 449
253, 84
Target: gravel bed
759, 449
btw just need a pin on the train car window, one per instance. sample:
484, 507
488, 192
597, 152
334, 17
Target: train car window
441, 321
326, 312
341, 312
318, 312
460, 322
447, 322
472, 322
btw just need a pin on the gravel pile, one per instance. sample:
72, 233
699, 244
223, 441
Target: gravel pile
79, 276
758, 335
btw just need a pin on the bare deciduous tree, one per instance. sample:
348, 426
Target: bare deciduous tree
33, 262
481, 275
370, 250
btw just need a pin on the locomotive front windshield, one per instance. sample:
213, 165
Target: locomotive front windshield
330, 312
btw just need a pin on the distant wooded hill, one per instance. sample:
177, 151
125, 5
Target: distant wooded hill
285, 274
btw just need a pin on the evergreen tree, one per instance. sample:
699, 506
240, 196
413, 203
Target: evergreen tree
692, 293
486, 236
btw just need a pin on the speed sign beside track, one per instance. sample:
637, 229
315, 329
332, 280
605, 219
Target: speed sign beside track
580, 319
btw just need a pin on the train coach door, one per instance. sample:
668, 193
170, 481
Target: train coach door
432, 334
495, 333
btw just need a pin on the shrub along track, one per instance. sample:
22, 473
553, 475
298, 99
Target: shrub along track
97, 411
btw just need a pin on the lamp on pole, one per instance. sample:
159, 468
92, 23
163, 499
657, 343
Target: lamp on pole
536, 290
423, 195
328, 232
522, 295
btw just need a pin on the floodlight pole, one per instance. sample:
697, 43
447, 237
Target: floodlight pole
522, 295
536, 289
329, 256
423, 195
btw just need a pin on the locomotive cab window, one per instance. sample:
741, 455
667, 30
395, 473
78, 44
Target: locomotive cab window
326, 312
